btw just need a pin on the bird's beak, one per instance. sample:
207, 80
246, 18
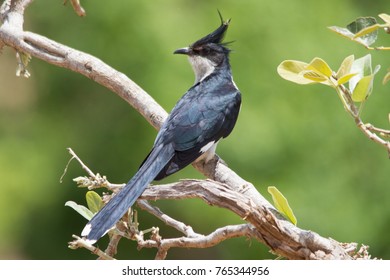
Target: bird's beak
182, 51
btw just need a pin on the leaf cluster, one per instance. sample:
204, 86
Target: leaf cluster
358, 72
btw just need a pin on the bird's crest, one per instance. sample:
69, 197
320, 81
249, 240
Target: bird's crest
216, 36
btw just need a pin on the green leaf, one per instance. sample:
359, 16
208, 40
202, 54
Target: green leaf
281, 204
386, 78
94, 201
360, 24
82, 210
363, 89
290, 70
23, 59
359, 31
365, 28
347, 34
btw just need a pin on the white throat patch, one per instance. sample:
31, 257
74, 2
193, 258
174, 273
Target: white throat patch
202, 67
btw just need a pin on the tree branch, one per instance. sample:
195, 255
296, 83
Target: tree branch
199, 241
81, 243
187, 230
12, 35
281, 236
77, 7
368, 129
227, 190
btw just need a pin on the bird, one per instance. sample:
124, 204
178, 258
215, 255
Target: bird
205, 114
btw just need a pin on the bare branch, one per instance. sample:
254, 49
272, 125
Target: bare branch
199, 241
267, 225
86, 168
94, 180
187, 230
368, 129
281, 236
4, 9
60, 55
381, 131
17, 6
81, 243
112, 246
77, 7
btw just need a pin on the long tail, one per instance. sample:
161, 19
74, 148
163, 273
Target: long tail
120, 203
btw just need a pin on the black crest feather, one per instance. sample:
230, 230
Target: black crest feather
216, 36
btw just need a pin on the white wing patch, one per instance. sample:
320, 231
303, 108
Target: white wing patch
206, 147
86, 230
208, 151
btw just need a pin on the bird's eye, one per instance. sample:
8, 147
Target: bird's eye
205, 51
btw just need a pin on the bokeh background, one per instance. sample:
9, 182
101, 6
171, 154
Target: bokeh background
298, 138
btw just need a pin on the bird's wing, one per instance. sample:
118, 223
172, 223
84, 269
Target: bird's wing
203, 116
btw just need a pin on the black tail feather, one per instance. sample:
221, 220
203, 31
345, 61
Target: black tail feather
121, 202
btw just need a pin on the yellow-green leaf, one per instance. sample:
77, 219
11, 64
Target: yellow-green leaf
320, 66
363, 68
23, 59
94, 201
367, 30
385, 18
342, 31
345, 66
281, 204
386, 78
314, 76
290, 70
363, 89
345, 78
81, 209
354, 28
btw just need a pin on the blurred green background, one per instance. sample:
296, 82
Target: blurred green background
298, 138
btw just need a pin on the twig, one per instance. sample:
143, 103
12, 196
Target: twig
111, 249
187, 230
373, 136
94, 181
83, 166
381, 131
77, 7
367, 129
381, 48
79, 242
